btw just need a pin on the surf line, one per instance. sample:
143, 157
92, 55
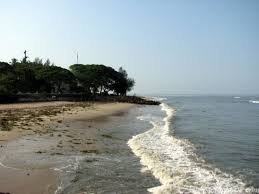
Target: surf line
9, 167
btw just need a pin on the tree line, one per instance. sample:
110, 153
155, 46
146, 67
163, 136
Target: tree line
45, 77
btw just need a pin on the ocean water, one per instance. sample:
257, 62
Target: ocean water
116, 169
188, 144
201, 144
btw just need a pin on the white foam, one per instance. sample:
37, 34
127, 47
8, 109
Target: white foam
4, 166
254, 101
174, 162
158, 98
71, 165
237, 97
59, 189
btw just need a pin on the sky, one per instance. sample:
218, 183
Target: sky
168, 47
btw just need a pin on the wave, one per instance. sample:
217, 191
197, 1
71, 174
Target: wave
237, 97
173, 161
4, 166
158, 98
69, 167
254, 101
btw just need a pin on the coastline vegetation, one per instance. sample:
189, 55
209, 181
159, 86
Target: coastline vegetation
38, 77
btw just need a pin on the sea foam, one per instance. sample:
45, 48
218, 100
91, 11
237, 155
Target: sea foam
158, 98
70, 166
254, 101
174, 162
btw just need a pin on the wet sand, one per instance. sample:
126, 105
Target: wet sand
28, 181
40, 135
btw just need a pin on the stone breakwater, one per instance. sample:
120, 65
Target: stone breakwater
128, 99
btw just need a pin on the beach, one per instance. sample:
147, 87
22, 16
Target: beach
76, 148
41, 139
129, 97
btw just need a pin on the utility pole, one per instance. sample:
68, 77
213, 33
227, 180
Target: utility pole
77, 58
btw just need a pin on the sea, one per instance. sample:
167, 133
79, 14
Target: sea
201, 144
188, 144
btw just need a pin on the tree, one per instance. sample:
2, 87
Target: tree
87, 77
102, 79
7, 79
36, 76
123, 72
14, 61
56, 79
130, 84
25, 78
94, 78
123, 83
38, 61
47, 62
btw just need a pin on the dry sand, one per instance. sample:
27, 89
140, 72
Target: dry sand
74, 127
26, 118
17, 106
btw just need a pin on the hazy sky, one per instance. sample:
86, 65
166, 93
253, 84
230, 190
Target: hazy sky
195, 46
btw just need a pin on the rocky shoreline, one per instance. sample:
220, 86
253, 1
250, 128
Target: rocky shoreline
21, 98
128, 99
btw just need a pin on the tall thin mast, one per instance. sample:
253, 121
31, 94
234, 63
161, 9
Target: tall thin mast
25, 57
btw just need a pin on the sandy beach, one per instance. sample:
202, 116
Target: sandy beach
35, 137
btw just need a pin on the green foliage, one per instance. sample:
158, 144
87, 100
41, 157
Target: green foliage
25, 78
7, 78
39, 77
14, 61
38, 61
102, 79
55, 79
93, 78
123, 83
47, 62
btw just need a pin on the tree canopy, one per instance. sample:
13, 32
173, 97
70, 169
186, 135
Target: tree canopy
7, 78
102, 79
44, 77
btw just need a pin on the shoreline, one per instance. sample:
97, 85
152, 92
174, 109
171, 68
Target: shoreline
18, 119
37, 129
44, 98
171, 154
